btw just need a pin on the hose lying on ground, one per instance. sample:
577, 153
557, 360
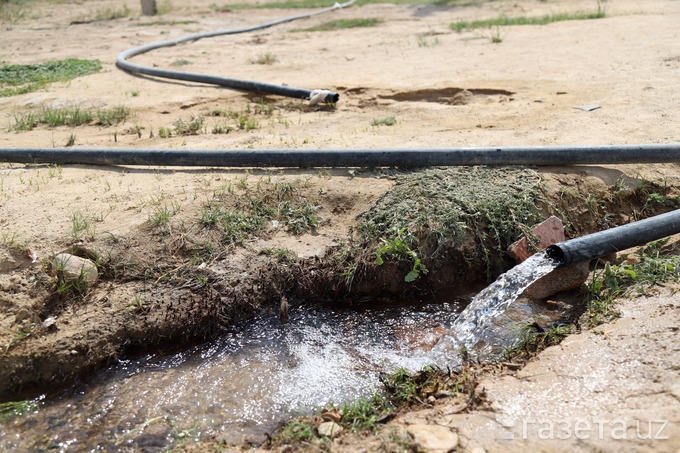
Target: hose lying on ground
314, 96
367, 157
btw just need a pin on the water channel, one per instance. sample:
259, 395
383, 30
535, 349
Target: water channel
241, 385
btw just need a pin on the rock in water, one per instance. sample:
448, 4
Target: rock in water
283, 310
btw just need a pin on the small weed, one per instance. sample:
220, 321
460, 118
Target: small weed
164, 132
296, 431
424, 42
21, 333
112, 117
387, 121
397, 247
180, 62
267, 58
221, 128
193, 127
162, 214
70, 141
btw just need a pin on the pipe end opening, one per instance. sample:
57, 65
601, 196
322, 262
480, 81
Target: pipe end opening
555, 253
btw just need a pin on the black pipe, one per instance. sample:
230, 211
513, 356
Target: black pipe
382, 157
615, 239
228, 82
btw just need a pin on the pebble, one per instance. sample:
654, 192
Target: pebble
329, 429
433, 438
49, 322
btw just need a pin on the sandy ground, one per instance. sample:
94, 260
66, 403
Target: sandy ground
443, 88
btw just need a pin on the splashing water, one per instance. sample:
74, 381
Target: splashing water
473, 323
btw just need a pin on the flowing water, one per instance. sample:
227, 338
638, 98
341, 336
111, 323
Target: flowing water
237, 387
473, 329
240, 386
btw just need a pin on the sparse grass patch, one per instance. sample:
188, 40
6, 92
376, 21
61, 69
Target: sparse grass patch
387, 121
505, 21
266, 58
31, 77
192, 127
180, 62
69, 116
243, 210
343, 23
633, 276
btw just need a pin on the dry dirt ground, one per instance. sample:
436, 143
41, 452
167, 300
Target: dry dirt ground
443, 88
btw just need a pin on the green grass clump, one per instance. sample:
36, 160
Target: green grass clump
14, 409
266, 58
31, 77
503, 21
344, 23
632, 277
387, 121
192, 127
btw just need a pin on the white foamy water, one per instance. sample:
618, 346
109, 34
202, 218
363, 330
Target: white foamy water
474, 321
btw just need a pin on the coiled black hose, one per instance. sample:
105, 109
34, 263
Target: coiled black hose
315, 96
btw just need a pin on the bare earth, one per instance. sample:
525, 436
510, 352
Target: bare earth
443, 88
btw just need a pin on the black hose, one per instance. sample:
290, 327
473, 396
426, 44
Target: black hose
385, 157
615, 239
228, 82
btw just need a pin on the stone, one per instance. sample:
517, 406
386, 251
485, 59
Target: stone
74, 268
478, 450
433, 438
549, 232
562, 279
333, 416
22, 314
329, 429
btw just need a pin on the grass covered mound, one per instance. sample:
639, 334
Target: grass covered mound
479, 209
19, 79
